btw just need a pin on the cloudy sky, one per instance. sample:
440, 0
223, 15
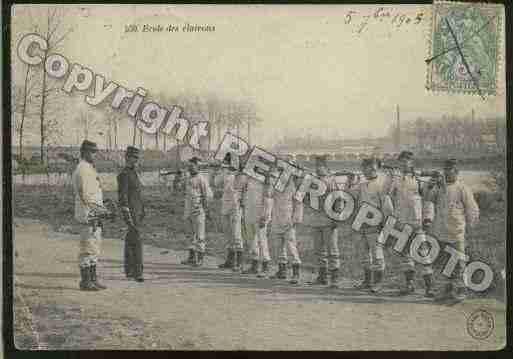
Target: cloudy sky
307, 70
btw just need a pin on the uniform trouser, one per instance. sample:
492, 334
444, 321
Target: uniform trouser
133, 253
90, 244
371, 251
233, 227
286, 235
326, 246
197, 228
259, 246
408, 264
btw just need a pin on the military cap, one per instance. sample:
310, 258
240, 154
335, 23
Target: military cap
132, 151
89, 146
450, 163
407, 155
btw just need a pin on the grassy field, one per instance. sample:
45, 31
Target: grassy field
165, 228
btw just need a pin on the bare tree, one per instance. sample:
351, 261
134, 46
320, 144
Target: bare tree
87, 121
54, 36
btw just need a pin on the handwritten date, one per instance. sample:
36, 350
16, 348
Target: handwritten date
361, 21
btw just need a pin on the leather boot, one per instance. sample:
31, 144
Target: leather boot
377, 286
366, 284
94, 278
295, 274
253, 269
282, 272
85, 283
189, 260
322, 277
408, 288
428, 280
334, 278
229, 260
265, 270
237, 262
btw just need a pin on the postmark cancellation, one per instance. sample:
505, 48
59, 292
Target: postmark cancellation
464, 48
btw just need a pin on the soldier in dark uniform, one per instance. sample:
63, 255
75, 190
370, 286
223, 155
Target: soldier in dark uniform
132, 208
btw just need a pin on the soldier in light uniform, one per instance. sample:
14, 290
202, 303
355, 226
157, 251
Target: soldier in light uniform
449, 208
132, 208
372, 192
231, 210
198, 196
89, 210
405, 192
257, 200
325, 231
286, 214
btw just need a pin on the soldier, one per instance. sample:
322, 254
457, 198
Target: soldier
325, 230
231, 211
132, 208
286, 214
449, 207
198, 196
405, 192
257, 200
373, 192
89, 211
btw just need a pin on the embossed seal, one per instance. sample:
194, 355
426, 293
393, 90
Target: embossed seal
480, 324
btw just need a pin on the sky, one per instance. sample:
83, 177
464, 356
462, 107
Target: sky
305, 68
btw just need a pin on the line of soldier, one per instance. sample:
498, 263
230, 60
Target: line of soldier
444, 207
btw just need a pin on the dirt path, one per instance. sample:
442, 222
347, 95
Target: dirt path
179, 307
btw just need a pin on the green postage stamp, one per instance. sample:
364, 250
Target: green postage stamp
464, 48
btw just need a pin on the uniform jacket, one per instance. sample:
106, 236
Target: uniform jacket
130, 194
197, 195
285, 209
232, 187
405, 194
257, 200
87, 190
318, 218
375, 193
451, 208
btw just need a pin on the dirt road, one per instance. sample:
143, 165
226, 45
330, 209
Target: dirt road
179, 307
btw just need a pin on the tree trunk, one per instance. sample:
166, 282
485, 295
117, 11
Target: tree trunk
23, 111
42, 114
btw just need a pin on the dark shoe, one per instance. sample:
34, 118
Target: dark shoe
94, 279
334, 278
189, 260
449, 295
428, 280
237, 262
139, 279
377, 286
253, 269
229, 260
281, 273
366, 283
322, 277
265, 270
198, 261
85, 283
295, 274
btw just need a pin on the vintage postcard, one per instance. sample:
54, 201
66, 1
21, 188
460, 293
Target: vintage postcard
258, 177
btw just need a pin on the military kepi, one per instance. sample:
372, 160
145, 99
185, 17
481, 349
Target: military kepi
132, 151
89, 146
407, 155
